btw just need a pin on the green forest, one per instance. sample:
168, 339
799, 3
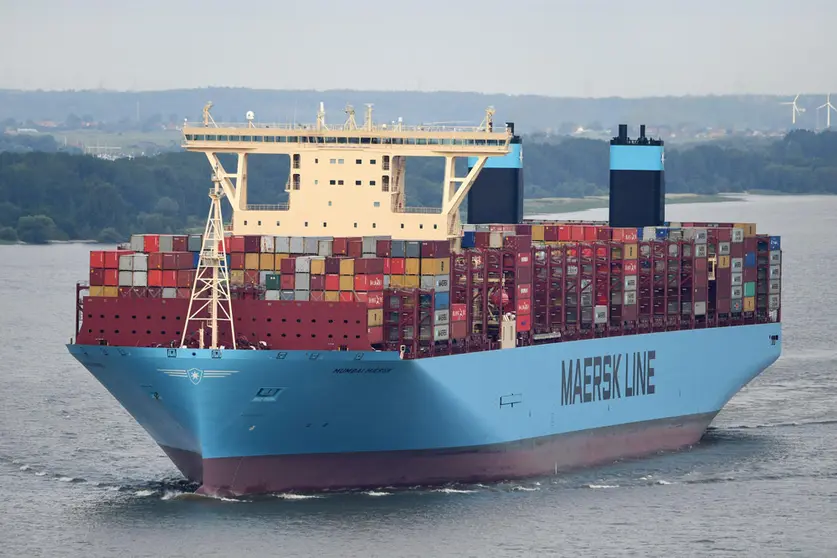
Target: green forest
53, 195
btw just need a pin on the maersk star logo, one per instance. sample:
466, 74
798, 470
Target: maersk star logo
195, 375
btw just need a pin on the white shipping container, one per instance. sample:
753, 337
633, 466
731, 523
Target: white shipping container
166, 244
286, 295
737, 235
737, 278
630, 298
386, 281
699, 236
773, 302
140, 262
775, 286
369, 244
442, 284
495, 239
775, 257
724, 248
311, 245
441, 317
302, 265
325, 248
600, 314
195, 242
737, 265
775, 272
140, 279
441, 333
267, 245
302, 281
737, 306
630, 282
700, 250
428, 281
126, 262
263, 277
297, 245
126, 278
674, 224
737, 291
273, 295
649, 233
301, 296
169, 292
673, 250
700, 308
282, 245
137, 242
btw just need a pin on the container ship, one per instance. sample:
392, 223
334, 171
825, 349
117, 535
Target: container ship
347, 340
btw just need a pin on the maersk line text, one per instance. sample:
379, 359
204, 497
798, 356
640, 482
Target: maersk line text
598, 378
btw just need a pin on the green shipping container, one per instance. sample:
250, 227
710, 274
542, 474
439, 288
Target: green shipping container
272, 282
749, 289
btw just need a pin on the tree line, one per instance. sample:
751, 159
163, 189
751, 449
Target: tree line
49, 195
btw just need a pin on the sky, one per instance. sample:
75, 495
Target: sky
576, 48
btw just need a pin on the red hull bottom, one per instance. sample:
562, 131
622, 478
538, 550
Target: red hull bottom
233, 476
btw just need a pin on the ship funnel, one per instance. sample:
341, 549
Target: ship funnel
497, 194
637, 180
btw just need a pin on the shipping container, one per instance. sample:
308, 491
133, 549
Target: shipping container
347, 266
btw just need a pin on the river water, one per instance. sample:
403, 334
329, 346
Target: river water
79, 478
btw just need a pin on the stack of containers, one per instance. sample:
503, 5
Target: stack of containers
737, 271
722, 238
700, 271
774, 274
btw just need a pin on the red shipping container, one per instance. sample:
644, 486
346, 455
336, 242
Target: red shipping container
185, 278
524, 306
97, 277
185, 260
155, 261
252, 244
720, 235
435, 249
332, 266
700, 280
251, 276
591, 232
630, 313
459, 330
700, 294
524, 291
398, 266
111, 277
170, 260
369, 282
524, 274
237, 261
700, 264
180, 243
369, 266
523, 323
518, 243
332, 282
736, 250
387, 266
347, 296
317, 283
355, 248
112, 258
564, 233
155, 278
151, 243
373, 299
316, 296
603, 233
550, 233
458, 312
482, 239
237, 244
340, 247
169, 278
286, 282
97, 259
629, 267
750, 274
288, 266
184, 293
523, 229
376, 334
723, 305
750, 244
576, 232
383, 248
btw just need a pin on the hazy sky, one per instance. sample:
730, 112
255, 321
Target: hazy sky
552, 47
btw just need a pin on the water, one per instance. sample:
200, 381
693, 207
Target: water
79, 478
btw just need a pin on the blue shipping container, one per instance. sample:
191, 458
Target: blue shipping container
442, 301
662, 233
750, 259
469, 239
775, 243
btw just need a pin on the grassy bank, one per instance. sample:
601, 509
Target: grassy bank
541, 206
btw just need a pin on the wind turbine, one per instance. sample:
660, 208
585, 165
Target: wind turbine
795, 109
828, 108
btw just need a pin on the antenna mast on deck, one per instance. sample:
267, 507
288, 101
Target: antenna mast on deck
210, 302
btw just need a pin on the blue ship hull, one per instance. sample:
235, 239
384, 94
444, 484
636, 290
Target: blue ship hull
261, 421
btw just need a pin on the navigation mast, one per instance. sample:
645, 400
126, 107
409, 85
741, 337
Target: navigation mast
210, 302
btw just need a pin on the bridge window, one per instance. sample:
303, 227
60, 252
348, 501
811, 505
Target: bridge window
402, 225
333, 161
329, 204
358, 161
372, 161
277, 223
377, 204
339, 182
358, 182
259, 223
371, 182
373, 225
421, 226
316, 181
245, 223
355, 225
332, 182
306, 223
325, 224
339, 161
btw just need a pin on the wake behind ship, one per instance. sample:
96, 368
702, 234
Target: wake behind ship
346, 340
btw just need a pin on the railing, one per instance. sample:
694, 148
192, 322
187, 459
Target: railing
267, 207
344, 128
428, 210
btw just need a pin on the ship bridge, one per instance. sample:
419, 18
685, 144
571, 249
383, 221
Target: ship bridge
347, 179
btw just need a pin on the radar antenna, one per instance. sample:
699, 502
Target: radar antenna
488, 122
210, 302
207, 118
350, 124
